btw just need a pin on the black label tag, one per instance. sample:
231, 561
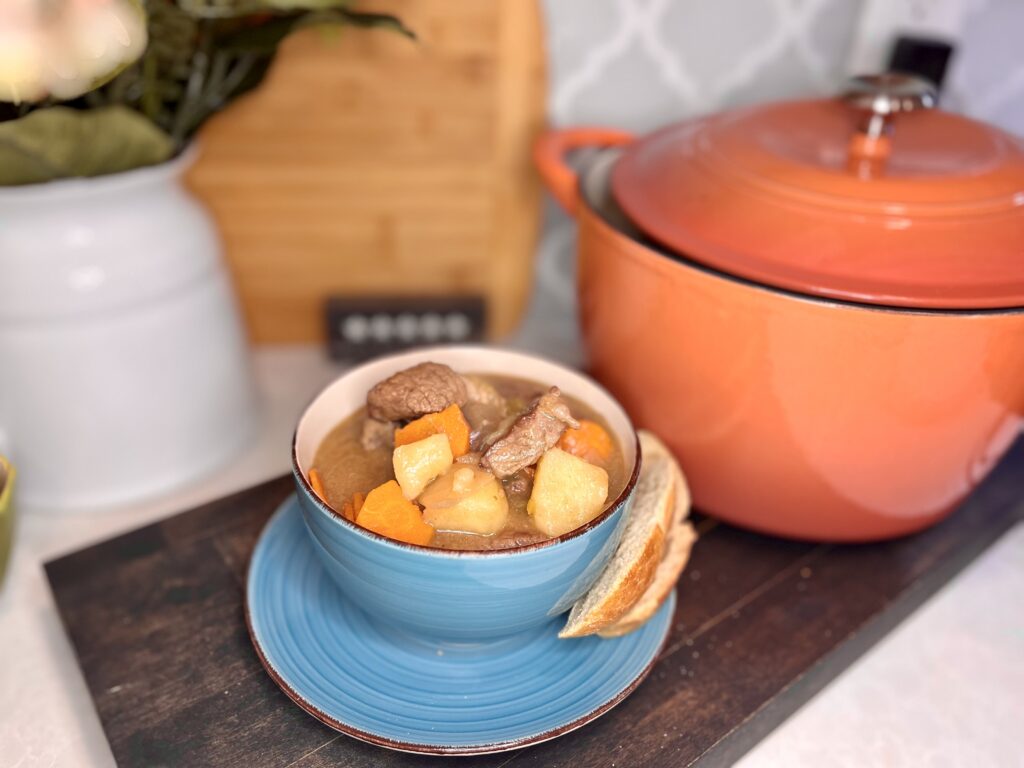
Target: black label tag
361, 327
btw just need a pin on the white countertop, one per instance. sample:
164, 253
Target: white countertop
945, 689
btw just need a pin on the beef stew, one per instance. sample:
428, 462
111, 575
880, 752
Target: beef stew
469, 461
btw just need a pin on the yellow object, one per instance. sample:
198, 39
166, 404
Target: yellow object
417, 464
6, 513
567, 492
65, 49
465, 499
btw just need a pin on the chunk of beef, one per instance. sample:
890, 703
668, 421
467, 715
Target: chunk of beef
520, 484
424, 388
377, 434
479, 390
485, 411
486, 424
531, 435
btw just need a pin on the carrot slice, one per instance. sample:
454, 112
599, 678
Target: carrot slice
450, 422
350, 509
386, 511
590, 442
318, 485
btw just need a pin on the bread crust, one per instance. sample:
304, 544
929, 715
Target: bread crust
680, 543
618, 601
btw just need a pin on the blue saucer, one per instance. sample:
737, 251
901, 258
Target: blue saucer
388, 687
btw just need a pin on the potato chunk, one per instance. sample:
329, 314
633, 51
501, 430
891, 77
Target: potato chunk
417, 464
567, 492
466, 499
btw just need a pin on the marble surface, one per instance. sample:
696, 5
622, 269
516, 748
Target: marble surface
945, 689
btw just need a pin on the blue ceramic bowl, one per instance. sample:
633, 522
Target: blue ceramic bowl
456, 595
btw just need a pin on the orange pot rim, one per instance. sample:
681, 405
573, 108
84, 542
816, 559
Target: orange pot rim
583, 206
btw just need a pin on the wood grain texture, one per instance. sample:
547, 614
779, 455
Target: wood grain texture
156, 619
369, 164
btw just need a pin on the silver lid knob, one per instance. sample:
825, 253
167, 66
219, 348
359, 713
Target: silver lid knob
881, 97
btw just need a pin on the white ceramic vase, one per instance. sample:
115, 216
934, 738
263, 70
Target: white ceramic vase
124, 367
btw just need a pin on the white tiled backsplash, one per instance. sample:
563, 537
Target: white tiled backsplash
638, 64
987, 79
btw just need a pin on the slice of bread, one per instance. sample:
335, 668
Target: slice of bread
632, 567
681, 537
680, 541
651, 446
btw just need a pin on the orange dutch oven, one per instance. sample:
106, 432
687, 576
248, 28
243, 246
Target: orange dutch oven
819, 305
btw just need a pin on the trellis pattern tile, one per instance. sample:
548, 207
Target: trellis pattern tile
637, 64
642, 63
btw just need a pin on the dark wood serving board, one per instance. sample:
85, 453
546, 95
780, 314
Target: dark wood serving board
156, 619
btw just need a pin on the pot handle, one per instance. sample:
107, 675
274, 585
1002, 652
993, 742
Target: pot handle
551, 149
879, 99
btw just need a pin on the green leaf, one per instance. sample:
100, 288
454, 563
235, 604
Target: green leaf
264, 37
58, 143
382, 20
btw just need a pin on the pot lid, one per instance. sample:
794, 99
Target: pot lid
874, 197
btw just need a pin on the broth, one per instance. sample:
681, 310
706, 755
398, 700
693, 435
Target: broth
347, 468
